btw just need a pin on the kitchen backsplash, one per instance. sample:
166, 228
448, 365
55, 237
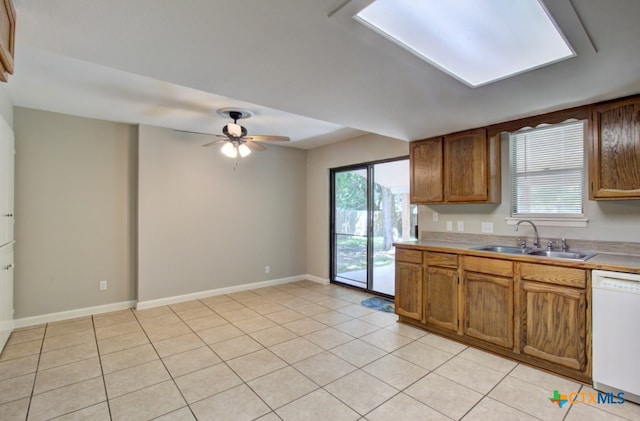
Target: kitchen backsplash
615, 247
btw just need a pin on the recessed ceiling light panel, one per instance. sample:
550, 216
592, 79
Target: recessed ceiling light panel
475, 41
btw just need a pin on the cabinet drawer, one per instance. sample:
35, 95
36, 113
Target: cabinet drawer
408, 255
490, 266
554, 275
441, 259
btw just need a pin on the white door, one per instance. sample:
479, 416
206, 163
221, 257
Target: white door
7, 163
6, 293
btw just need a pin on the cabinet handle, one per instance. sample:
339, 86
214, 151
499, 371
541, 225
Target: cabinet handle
8, 267
10, 215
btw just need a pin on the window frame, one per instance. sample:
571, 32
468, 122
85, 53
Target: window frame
551, 219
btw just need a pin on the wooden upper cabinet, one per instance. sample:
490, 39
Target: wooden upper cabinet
7, 38
614, 161
427, 177
457, 168
466, 178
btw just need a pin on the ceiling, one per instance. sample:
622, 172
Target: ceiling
303, 68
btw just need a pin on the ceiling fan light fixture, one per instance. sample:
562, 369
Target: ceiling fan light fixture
229, 149
234, 129
243, 150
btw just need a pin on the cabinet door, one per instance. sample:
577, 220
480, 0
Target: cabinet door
426, 162
408, 299
466, 174
488, 308
615, 151
554, 324
441, 286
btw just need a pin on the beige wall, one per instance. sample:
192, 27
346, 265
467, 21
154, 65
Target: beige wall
75, 220
204, 225
319, 161
201, 224
608, 221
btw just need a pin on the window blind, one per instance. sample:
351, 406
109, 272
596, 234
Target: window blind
547, 170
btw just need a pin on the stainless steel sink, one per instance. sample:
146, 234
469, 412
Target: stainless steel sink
504, 249
575, 255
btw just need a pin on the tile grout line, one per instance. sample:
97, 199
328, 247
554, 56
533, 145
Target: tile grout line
165, 367
273, 410
35, 374
486, 395
104, 380
221, 361
286, 362
299, 295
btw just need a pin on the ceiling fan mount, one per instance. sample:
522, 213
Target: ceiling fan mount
234, 113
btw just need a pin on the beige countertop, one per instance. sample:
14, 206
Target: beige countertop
601, 261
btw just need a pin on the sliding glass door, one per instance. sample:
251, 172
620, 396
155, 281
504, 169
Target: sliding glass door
369, 211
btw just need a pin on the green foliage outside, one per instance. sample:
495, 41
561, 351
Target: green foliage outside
353, 252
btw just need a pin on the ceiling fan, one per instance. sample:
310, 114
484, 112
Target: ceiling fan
234, 138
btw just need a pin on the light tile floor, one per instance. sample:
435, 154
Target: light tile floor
299, 351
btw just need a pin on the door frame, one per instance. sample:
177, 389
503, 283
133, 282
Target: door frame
368, 166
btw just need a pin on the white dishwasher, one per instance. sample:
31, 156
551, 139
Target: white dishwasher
616, 333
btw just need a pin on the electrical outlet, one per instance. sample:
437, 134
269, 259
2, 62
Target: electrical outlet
487, 227
449, 225
460, 226
267, 269
103, 285
435, 217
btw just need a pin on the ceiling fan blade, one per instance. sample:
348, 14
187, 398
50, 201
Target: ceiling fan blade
255, 146
263, 138
215, 142
187, 131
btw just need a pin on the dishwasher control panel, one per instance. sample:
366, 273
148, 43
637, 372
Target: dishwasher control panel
617, 281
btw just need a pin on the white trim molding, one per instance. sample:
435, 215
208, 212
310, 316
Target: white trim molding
9, 325
575, 222
72, 314
141, 305
323, 281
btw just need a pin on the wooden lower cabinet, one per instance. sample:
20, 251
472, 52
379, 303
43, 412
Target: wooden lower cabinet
488, 308
553, 322
534, 312
441, 291
408, 297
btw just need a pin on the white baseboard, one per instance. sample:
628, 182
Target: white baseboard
141, 305
71, 314
317, 279
220, 291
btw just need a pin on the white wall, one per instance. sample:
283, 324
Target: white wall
204, 225
6, 106
319, 161
608, 221
74, 205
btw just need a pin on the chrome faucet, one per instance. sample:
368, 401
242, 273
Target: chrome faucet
536, 242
